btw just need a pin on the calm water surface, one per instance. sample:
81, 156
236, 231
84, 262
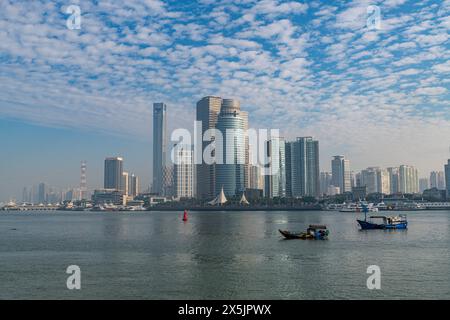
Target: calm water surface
233, 255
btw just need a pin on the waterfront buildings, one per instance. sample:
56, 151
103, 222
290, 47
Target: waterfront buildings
369, 179
208, 109
159, 145
341, 174
133, 185
424, 184
230, 166
409, 179
437, 180
447, 178
124, 187
303, 167
325, 182
394, 178
42, 193
275, 179
113, 174
184, 172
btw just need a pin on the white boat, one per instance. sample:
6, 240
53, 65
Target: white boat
358, 207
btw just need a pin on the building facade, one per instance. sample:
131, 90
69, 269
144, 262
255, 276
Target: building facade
341, 174
184, 172
159, 146
113, 173
208, 109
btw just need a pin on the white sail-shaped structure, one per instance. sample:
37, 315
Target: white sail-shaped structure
244, 200
219, 200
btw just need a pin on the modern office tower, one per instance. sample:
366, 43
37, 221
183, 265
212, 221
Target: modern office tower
124, 184
325, 182
447, 178
184, 172
113, 173
247, 166
424, 184
159, 145
383, 181
341, 174
394, 178
168, 182
42, 193
208, 109
409, 179
369, 179
303, 167
275, 178
133, 185
230, 173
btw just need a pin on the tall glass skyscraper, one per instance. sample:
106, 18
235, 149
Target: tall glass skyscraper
159, 145
208, 109
230, 172
341, 174
275, 179
303, 178
113, 173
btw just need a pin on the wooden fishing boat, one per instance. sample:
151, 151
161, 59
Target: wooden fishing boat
313, 233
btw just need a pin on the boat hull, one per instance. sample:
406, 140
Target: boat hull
365, 225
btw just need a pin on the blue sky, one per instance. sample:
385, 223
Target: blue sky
379, 96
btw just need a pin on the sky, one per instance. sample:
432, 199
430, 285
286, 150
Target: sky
378, 94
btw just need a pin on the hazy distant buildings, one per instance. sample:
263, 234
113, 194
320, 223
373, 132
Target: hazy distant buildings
341, 174
159, 145
369, 179
208, 109
230, 169
447, 178
303, 166
424, 184
394, 177
113, 175
409, 179
184, 172
383, 181
133, 185
437, 180
325, 182
42, 193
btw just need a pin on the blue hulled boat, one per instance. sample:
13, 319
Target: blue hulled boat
383, 222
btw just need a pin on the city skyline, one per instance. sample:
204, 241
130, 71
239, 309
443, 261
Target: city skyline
379, 96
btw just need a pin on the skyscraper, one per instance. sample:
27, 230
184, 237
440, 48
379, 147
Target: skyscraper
42, 193
325, 182
133, 185
424, 184
208, 109
230, 173
409, 179
113, 173
303, 178
124, 186
341, 174
159, 145
184, 172
447, 178
275, 179
437, 180
394, 178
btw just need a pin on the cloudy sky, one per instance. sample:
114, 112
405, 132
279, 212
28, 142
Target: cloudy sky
380, 96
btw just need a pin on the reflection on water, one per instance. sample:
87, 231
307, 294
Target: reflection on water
220, 255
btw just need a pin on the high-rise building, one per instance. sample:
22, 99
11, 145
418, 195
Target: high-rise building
168, 182
437, 180
303, 167
256, 178
447, 178
275, 178
133, 185
124, 186
184, 172
394, 178
383, 181
159, 145
208, 109
42, 193
113, 173
341, 174
409, 179
325, 182
230, 171
424, 184
369, 179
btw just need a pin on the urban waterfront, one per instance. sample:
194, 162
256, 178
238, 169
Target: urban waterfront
219, 255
